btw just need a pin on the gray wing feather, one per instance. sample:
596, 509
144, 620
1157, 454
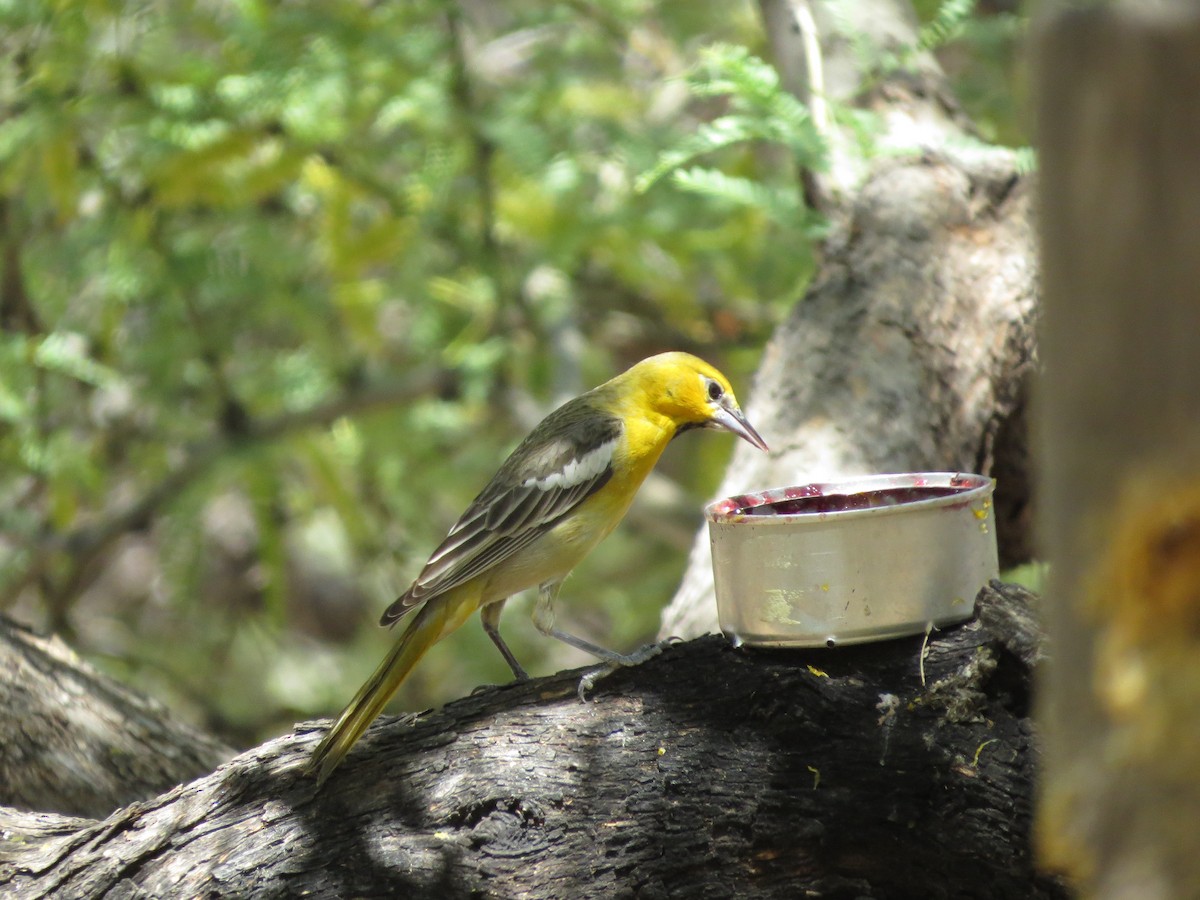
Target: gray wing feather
520, 503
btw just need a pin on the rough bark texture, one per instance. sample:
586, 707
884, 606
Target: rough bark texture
708, 772
1119, 118
914, 347
74, 741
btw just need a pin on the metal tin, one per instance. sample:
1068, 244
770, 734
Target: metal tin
851, 561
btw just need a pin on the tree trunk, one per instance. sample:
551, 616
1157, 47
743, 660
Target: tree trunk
707, 772
1119, 118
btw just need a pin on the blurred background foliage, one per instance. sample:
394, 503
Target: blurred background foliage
281, 284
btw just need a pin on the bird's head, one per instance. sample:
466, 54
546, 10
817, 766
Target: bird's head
691, 393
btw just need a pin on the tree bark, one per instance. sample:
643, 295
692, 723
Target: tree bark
914, 347
1119, 119
74, 741
707, 772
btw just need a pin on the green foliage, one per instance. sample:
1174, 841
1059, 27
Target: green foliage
223, 224
1035, 576
983, 54
759, 110
281, 284
758, 115
949, 21
783, 207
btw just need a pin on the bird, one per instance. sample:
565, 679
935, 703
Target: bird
559, 493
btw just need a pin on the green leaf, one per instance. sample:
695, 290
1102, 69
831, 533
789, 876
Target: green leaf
66, 353
761, 110
946, 25
783, 205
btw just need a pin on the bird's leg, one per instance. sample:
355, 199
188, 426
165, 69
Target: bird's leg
543, 620
490, 617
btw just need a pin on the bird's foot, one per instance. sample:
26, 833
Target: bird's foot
617, 661
518, 678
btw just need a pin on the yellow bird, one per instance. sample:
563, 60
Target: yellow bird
561, 492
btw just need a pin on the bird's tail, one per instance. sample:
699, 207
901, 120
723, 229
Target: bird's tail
434, 620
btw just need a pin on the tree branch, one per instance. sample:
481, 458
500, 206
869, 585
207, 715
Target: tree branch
74, 741
708, 771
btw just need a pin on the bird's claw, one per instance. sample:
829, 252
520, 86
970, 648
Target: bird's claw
636, 658
518, 678
482, 689
588, 681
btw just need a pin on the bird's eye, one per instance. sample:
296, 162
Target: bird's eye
715, 391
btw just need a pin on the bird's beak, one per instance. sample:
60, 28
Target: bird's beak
732, 419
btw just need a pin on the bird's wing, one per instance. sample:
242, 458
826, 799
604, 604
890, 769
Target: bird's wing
564, 461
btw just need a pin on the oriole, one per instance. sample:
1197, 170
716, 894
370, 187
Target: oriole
563, 489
